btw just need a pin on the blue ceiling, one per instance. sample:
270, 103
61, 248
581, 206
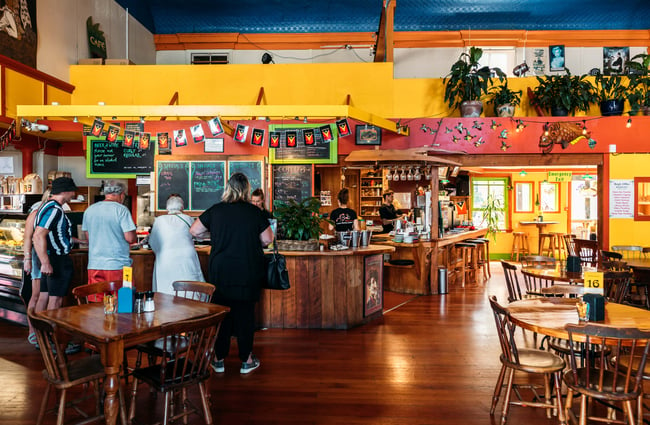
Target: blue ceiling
306, 16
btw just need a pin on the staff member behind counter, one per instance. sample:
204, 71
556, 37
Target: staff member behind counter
343, 217
388, 213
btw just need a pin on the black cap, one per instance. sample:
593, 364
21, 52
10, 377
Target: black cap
63, 184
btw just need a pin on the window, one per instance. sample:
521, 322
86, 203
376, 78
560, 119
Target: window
209, 58
482, 188
549, 197
523, 197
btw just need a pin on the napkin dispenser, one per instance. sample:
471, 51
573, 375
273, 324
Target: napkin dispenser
573, 264
596, 307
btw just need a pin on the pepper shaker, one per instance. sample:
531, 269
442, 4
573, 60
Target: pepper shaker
139, 302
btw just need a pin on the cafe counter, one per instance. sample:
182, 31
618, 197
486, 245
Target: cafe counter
329, 289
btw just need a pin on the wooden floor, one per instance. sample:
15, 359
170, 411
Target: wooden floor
429, 360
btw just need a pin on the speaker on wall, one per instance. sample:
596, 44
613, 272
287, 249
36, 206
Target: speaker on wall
462, 185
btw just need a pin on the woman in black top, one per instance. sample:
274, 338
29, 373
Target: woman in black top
343, 217
238, 232
257, 199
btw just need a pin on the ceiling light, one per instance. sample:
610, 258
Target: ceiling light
629, 123
523, 173
75, 119
587, 176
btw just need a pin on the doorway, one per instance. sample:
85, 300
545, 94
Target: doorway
584, 206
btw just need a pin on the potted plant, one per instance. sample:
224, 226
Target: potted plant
466, 83
564, 94
492, 215
611, 93
639, 95
298, 224
504, 99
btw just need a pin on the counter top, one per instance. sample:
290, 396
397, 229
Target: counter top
449, 238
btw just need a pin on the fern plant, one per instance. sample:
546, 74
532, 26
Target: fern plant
299, 221
492, 213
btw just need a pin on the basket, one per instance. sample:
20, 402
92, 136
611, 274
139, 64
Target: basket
288, 245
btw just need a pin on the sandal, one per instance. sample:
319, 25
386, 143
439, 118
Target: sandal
32, 338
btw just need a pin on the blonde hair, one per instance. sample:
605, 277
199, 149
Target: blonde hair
237, 189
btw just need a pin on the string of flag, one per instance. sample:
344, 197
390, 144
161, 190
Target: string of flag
8, 136
289, 138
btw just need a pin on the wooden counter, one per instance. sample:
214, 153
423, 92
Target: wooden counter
421, 278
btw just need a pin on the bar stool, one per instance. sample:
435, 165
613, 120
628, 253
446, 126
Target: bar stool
558, 245
546, 244
487, 254
469, 253
520, 245
481, 255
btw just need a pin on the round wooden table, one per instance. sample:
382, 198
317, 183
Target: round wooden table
556, 274
548, 316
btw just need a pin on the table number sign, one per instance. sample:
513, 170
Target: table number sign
594, 283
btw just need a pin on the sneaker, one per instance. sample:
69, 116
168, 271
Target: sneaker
218, 366
72, 348
249, 367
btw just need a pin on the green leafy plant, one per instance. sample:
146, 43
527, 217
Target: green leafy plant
298, 221
569, 92
609, 87
503, 95
492, 214
466, 81
639, 95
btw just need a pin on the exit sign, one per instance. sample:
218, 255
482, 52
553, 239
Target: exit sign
559, 176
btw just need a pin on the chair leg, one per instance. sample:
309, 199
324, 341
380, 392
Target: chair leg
497, 389
166, 415
206, 404
583, 409
547, 394
558, 398
46, 398
61, 412
134, 390
627, 407
506, 400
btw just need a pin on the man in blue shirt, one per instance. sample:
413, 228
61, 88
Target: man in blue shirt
52, 242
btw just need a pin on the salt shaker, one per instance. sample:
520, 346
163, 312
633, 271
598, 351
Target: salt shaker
139, 302
148, 302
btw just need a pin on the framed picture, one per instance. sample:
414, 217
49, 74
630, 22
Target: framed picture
556, 53
368, 135
523, 197
614, 60
213, 145
373, 284
549, 197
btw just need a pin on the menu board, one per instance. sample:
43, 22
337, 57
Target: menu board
111, 159
318, 153
251, 169
173, 177
292, 182
208, 183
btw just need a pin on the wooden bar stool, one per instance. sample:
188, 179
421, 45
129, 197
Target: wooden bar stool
469, 253
545, 244
520, 245
481, 254
557, 240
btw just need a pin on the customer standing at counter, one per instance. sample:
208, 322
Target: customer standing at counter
388, 213
344, 218
109, 230
238, 232
52, 242
171, 241
257, 199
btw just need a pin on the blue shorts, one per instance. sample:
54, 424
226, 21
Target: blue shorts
57, 284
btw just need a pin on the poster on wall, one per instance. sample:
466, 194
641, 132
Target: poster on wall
614, 60
18, 38
621, 199
373, 284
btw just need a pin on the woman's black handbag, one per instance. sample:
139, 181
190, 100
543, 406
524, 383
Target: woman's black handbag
277, 276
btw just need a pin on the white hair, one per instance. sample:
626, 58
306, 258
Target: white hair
174, 204
115, 187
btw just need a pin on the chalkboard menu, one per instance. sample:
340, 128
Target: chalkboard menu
251, 169
207, 181
319, 153
173, 177
106, 159
292, 182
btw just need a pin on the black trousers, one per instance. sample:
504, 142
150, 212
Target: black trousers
240, 323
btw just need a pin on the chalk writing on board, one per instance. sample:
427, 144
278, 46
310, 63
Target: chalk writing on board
251, 169
173, 177
109, 158
207, 181
319, 150
291, 182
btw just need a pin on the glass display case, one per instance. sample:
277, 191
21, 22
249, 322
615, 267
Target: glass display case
12, 230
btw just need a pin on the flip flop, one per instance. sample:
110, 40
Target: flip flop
32, 338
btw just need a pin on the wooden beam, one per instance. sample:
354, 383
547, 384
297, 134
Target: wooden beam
525, 160
397, 156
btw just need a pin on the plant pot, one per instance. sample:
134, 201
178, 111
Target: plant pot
645, 110
612, 107
289, 245
559, 111
471, 108
506, 110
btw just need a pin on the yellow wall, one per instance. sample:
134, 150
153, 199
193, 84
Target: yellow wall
21, 89
626, 231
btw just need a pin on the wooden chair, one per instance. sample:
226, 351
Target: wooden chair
570, 244
194, 290
629, 252
588, 251
63, 374
534, 283
181, 368
84, 292
537, 261
533, 361
617, 285
593, 376
512, 281
610, 255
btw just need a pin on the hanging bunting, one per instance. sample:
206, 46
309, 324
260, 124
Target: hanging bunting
180, 138
98, 126
292, 139
197, 133
163, 143
113, 131
143, 144
343, 127
274, 139
240, 133
215, 126
257, 137
326, 132
129, 137
308, 135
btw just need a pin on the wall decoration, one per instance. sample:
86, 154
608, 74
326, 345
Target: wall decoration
129, 138
614, 60
240, 133
180, 138
213, 145
18, 37
215, 126
343, 127
197, 133
549, 197
539, 64
368, 135
145, 138
556, 53
113, 132
257, 138
164, 148
98, 126
373, 284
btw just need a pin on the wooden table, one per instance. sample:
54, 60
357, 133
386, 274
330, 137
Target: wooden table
548, 316
112, 333
556, 274
540, 229
562, 289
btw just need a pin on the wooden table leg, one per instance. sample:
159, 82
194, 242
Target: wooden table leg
112, 359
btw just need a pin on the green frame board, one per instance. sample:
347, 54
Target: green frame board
333, 146
90, 140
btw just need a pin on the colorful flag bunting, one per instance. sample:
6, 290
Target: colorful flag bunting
240, 133
98, 126
180, 138
163, 143
291, 139
308, 135
215, 126
257, 138
326, 132
274, 139
144, 141
343, 127
113, 131
197, 133
129, 137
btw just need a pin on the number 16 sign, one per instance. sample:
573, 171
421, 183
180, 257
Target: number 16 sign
594, 283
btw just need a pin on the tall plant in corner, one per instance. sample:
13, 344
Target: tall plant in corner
492, 213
